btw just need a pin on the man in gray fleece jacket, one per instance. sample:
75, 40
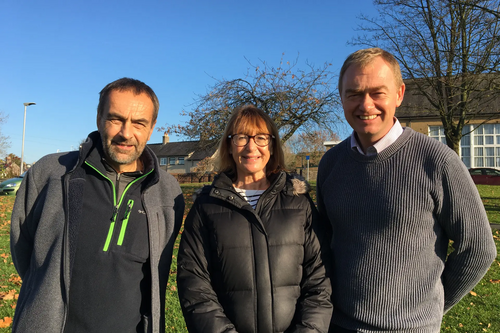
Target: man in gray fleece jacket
93, 231
394, 198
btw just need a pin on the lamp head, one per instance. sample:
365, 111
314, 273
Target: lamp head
28, 104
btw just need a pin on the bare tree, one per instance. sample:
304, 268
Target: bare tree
290, 157
4, 140
204, 167
309, 144
294, 99
478, 4
449, 48
11, 167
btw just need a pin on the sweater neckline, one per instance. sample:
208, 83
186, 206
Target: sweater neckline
385, 154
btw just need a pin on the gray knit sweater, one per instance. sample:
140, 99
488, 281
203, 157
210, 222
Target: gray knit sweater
392, 216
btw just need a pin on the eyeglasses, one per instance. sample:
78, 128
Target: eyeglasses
241, 140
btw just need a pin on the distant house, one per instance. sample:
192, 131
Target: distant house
179, 157
480, 145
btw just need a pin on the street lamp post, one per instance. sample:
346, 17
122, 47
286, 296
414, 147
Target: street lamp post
24, 129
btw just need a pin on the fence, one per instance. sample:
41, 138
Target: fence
209, 177
313, 172
193, 177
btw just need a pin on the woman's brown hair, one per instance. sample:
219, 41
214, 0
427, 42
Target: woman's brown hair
250, 120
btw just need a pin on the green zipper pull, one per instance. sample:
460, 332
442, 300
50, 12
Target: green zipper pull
115, 212
130, 204
111, 228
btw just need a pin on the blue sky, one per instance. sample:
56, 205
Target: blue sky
60, 54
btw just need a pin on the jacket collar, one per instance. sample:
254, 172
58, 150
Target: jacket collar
290, 184
223, 181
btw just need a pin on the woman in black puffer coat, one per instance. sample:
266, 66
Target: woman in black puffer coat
250, 260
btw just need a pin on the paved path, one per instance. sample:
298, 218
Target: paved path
495, 226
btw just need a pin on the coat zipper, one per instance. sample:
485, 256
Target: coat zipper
117, 208
256, 212
130, 204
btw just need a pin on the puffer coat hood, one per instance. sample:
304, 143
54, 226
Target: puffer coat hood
253, 270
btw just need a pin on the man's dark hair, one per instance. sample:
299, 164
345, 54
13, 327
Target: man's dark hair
124, 84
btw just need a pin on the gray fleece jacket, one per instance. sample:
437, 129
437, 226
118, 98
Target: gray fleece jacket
40, 240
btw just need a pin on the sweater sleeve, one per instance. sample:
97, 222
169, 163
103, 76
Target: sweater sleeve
314, 308
200, 306
464, 219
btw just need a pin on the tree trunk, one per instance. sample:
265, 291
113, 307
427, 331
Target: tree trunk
454, 143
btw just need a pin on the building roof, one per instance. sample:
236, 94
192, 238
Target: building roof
330, 144
416, 105
189, 149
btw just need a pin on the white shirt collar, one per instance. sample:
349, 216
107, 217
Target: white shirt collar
388, 139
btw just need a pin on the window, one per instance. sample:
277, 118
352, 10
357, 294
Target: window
163, 161
181, 160
479, 146
465, 146
492, 172
486, 145
437, 132
171, 160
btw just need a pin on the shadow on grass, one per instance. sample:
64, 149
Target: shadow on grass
490, 208
492, 198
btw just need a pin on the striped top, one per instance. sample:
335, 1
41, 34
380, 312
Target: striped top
251, 196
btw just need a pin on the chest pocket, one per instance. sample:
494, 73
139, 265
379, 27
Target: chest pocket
130, 235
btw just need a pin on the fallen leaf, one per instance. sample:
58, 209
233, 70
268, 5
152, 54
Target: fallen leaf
16, 279
473, 293
495, 281
9, 295
5, 322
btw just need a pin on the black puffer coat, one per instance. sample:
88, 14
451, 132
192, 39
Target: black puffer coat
245, 270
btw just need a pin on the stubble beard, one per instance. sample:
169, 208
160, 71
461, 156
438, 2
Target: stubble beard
120, 158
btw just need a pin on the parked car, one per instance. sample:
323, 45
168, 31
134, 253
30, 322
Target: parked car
485, 176
10, 186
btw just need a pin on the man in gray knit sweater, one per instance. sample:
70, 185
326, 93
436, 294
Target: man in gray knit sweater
394, 198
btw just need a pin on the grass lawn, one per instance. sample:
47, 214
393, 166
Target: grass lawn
10, 282
491, 199
476, 312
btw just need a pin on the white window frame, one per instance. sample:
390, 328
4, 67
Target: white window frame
479, 148
437, 132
